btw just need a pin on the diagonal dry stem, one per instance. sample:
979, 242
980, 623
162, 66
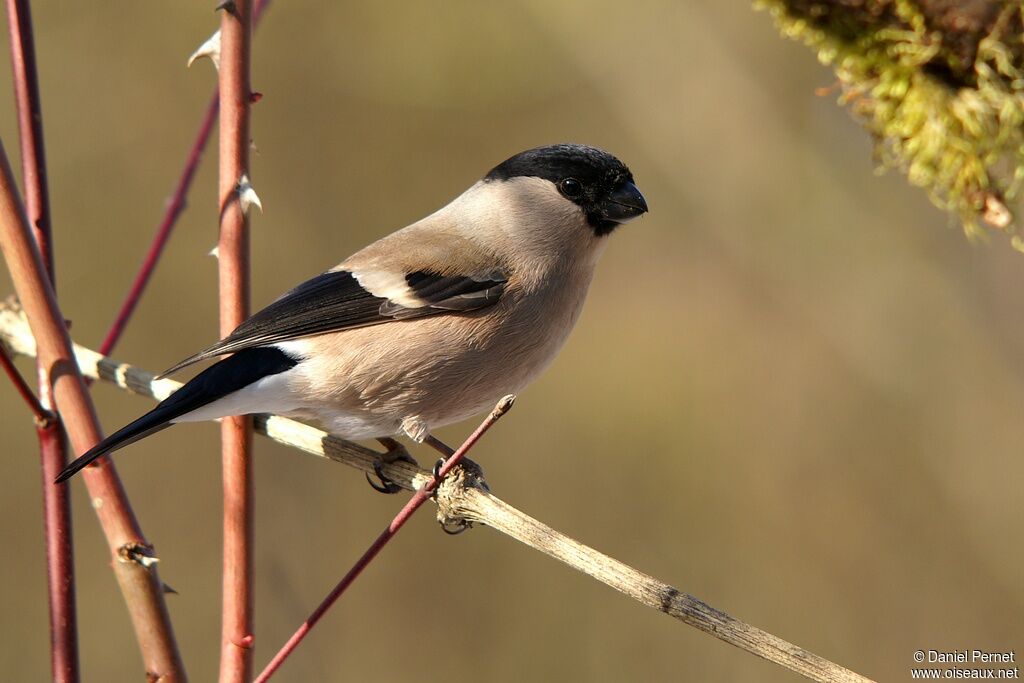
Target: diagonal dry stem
461, 497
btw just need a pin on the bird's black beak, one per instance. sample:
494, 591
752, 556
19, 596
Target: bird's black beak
623, 204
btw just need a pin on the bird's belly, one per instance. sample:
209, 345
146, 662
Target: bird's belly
360, 384
357, 425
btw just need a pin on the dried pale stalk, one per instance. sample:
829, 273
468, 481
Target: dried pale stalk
463, 498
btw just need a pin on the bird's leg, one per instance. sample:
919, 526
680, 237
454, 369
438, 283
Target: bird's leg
441, 447
395, 452
446, 452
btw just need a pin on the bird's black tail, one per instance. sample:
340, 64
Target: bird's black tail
216, 381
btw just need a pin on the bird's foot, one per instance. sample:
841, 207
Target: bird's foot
395, 452
441, 447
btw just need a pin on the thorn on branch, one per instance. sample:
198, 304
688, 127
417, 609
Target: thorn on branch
139, 553
227, 6
245, 642
46, 420
247, 196
211, 49
255, 97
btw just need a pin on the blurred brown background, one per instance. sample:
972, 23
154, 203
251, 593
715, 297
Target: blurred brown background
795, 392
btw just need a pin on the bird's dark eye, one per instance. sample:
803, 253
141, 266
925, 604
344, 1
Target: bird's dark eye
571, 188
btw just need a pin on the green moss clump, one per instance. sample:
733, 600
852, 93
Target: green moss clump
948, 116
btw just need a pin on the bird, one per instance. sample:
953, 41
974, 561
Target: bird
427, 326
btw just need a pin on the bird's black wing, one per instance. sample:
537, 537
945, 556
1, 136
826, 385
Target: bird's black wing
335, 301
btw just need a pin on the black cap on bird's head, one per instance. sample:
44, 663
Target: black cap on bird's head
592, 178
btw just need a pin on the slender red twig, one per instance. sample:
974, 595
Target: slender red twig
30, 126
60, 565
174, 209
52, 447
233, 259
382, 540
40, 413
135, 572
175, 206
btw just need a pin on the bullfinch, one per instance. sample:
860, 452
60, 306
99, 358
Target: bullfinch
427, 326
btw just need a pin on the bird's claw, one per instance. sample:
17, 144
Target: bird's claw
455, 528
386, 485
395, 452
